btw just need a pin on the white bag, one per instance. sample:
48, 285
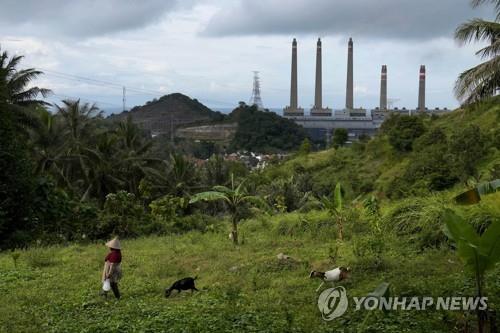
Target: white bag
106, 285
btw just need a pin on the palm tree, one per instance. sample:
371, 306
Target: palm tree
101, 168
47, 141
78, 122
134, 150
483, 80
16, 82
177, 176
235, 198
15, 93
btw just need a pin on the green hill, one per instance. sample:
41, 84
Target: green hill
170, 110
461, 146
264, 131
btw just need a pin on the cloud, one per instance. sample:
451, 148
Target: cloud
82, 18
399, 19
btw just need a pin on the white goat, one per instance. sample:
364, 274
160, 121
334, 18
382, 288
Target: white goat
334, 275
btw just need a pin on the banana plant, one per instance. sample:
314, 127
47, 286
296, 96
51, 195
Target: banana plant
234, 198
334, 205
478, 252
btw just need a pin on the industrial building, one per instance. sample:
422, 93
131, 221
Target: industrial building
321, 121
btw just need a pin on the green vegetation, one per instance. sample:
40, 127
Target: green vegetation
480, 253
247, 288
235, 198
340, 137
402, 131
483, 80
334, 205
264, 131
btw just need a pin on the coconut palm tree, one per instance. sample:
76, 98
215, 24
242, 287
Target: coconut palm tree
483, 80
134, 149
78, 124
17, 82
177, 176
235, 198
101, 166
47, 141
15, 92
78, 121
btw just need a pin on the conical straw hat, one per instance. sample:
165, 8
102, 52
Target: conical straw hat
114, 244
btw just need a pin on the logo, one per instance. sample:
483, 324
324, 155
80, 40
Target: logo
332, 303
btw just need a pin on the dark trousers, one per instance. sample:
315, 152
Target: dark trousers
116, 292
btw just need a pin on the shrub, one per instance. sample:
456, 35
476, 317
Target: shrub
419, 219
403, 130
287, 194
41, 258
369, 251
199, 222
467, 146
339, 137
168, 217
123, 215
305, 147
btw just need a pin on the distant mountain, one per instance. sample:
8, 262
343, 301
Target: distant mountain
170, 111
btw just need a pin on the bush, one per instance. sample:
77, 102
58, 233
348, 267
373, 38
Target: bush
287, 195
41, 258
317, 224
467, 146
340, 137
305, 147
419, 219
168, 217
369, 251
403, 130
123, 215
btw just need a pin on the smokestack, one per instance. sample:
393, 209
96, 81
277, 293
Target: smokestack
293, 88
349, 99
383, 88
421, 89
317, 94
293, 110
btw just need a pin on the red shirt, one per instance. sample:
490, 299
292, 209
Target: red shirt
115, 256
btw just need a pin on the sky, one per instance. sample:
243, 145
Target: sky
207, 49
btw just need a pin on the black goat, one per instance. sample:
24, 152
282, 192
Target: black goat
182, 284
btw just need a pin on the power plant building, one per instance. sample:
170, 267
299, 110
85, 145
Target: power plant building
321, 122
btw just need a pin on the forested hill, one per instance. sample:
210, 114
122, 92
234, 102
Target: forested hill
174, 107
410, 156
264, 131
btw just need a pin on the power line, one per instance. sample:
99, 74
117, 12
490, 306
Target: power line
83, 99
79, 78
109, 84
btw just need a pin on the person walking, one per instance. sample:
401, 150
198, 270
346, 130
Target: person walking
112, 266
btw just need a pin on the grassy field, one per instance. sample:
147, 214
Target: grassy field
244, 288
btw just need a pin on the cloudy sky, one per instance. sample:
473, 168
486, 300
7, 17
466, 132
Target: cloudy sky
208, 49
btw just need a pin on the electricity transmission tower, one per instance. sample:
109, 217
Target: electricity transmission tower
256, 99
